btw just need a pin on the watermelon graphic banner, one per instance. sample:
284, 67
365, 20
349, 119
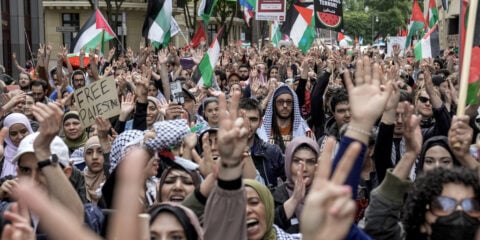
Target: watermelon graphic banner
329, 14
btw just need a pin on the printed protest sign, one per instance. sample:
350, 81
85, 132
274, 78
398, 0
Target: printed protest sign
97, 99
270, 10
329, 14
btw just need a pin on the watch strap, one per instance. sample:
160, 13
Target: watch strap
52, 160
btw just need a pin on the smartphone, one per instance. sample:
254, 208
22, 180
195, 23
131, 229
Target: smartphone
176, 92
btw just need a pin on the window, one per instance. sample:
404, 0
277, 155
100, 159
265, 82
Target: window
73, 20
212, 31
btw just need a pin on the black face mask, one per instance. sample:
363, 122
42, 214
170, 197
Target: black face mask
457, 225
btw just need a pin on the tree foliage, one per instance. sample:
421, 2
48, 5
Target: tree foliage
224, 13
359, 15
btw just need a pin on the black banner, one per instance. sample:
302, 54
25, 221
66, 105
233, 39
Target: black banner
329, 14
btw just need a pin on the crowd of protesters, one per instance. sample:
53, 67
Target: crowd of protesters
328, 144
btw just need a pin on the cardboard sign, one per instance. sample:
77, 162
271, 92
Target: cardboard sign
97, 99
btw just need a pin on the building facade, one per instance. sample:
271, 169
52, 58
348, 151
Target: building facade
27, 23
22, 31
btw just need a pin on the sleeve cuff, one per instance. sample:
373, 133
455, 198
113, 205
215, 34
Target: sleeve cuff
230, 185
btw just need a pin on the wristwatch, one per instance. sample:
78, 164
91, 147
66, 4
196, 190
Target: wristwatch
52, 160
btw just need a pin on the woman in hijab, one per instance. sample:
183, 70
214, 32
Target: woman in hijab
153, 112
436, 153
18, 128
260, 214
173, 221
94, 173
209, 111
176, 183
75, 135
301, 157
152, 116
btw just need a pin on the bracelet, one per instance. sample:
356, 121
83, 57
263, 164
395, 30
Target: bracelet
358, 130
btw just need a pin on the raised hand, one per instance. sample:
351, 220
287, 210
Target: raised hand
329, 209
232, 136
48, 49
431, 90
459, 139
7, 188
49, 118
13, 101
162, 56
103, 127
3, 134
198, 55
367, 97
19, 227
127, 106
411, 128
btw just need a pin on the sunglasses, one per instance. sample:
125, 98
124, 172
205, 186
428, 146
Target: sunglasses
424, 99
444, 206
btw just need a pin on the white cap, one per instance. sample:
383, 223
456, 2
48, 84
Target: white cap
57, 147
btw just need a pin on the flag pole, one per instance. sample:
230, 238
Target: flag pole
467, 58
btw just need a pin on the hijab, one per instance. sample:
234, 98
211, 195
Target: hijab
157, 104
74, 143
93, 180
185, 216
289, 151
9, 168
196, 179
267, 199
441, 141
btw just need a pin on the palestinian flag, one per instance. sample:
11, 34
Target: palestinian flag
95, 31
208, 62
276, 35
429, 46
158, 22
198, 36
432, 13
417, 22
474, 76
300, 25
205, 10
346, 41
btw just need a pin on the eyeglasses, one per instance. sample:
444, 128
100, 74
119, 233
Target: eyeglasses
423, 99
444, 206
282, 103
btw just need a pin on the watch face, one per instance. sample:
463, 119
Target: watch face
54, 159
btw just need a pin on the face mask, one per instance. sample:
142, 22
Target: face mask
457, 225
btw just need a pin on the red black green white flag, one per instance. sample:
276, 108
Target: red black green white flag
158, 22
417, 23
209, 60
328, 14
300, 25
474, 76
94, 32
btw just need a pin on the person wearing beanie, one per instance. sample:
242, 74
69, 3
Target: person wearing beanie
282, 121
75, 135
